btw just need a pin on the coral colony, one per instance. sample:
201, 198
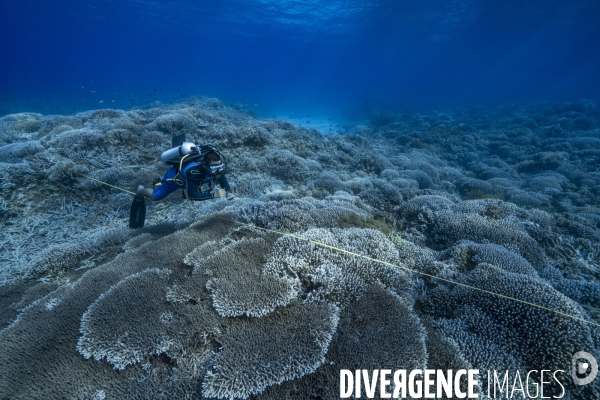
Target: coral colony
201, 303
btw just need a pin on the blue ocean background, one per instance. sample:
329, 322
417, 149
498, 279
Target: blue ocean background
319, 58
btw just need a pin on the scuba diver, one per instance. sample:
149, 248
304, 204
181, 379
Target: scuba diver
195, 170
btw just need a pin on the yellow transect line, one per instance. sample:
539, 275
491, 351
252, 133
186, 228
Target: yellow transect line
424, 274
392, 265
104, 183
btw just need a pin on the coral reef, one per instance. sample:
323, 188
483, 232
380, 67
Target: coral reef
253, 349
326, 259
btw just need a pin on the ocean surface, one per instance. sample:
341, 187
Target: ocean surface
411, 186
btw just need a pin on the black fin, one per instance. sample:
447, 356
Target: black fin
137, 215
177, 140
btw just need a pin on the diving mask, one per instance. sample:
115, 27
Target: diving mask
216, 168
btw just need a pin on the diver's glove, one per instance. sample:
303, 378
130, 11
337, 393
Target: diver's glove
230, 196
219, 193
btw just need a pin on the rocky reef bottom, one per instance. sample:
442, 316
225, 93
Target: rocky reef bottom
201, 303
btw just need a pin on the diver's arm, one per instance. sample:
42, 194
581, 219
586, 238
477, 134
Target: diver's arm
223, 182
225, 185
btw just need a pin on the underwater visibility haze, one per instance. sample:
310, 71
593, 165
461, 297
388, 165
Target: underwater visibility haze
385, 185
296, 56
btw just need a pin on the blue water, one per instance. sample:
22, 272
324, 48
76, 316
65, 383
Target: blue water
280, 57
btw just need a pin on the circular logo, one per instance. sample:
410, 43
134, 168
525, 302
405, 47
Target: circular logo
582, 367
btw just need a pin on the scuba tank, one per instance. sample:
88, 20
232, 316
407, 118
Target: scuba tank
176, 153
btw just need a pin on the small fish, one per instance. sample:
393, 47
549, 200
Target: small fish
161, 89
178, 90
155, 90
148, 95
113, 101
101, 101
58, 108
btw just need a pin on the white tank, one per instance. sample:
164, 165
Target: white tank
177, 152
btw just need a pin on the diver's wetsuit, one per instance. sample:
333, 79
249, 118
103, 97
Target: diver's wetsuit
195, 176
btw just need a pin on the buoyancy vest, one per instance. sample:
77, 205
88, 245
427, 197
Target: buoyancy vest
197, 172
